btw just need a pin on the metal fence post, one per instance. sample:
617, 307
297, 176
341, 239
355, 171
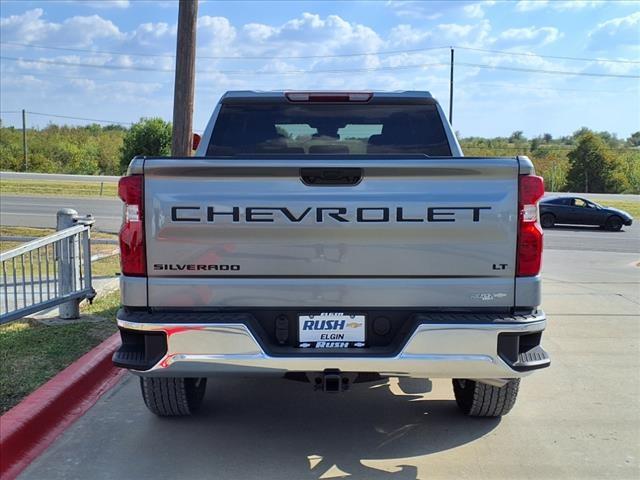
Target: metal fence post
67, 264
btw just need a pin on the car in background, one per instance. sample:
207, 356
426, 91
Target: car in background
580, 211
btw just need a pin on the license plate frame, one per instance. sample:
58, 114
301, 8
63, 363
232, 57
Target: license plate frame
332, 330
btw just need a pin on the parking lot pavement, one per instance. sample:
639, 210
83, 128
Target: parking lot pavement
578, 419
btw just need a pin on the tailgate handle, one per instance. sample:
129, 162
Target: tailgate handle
331, 176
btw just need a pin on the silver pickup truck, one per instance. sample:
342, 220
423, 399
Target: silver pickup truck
330, 237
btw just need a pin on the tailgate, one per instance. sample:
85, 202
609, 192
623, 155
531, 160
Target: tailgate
432, 224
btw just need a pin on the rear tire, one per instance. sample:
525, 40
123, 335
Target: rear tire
478, 399
173, 396
547, 220
613, 224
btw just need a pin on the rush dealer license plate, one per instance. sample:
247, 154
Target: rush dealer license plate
332, 330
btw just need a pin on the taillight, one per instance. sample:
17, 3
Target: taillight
195, 141
132, 252
529, 261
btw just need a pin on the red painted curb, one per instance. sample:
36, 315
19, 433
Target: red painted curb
31, 426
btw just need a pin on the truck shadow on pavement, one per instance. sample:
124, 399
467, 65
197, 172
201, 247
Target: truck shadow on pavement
274, 428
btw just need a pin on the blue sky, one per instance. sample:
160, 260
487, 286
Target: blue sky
500, 47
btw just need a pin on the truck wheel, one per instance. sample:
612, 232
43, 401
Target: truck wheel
478, 399
613, 223
173, 396
548, 220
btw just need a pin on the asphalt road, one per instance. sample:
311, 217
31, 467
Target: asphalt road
41, 212
578, 419
57, 176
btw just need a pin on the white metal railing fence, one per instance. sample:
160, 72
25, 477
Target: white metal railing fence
46, 272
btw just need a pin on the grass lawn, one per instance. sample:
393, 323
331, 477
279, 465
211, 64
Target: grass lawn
106, 267
32, 352
58, 189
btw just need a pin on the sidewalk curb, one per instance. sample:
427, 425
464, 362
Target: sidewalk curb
32, 425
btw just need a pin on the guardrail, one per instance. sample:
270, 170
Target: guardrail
50, 271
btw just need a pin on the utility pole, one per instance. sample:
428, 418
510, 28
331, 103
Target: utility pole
185, 79
586, 180
451, 91
24, 140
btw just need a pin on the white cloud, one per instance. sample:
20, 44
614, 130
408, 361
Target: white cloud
619, 68
27, 27
310, 34
528, 36
434, 9
469, 35
403, 35
215, 34
476, 10
577, 4
621, 31
150, 34
78, 31
259, 32
105, 3
414, 9
530, 5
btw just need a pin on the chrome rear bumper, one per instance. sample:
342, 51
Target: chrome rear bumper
433, 350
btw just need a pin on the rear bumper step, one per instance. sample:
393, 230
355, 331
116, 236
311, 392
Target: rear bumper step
532, 359
440, 345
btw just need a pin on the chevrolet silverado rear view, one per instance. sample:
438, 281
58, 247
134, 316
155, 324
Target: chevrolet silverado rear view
332, 237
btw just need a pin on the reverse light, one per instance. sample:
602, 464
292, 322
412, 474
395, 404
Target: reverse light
132, 244
529, 256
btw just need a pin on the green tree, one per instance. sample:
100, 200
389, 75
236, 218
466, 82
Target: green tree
634, 139
516, 136
591, 167
535, 144
150, 136
552, 165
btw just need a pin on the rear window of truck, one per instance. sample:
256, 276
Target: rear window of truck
330, 129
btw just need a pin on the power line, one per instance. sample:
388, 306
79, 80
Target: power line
551, 89
226, 72
337, 55
352, 70
552, 72
79, 118
557, 57
223, 57
76, 77
68, 117
499, 85
87, 65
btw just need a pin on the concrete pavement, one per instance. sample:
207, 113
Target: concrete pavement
578, 419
